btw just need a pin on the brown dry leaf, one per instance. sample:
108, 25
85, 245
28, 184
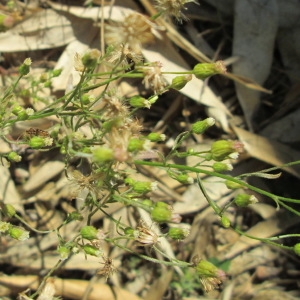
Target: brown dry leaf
264, 229
69, 288
8, 191
42, 30
284, 130
159, 286
44, 173
273, 294
289, 45
255, 28
268, 150
246, 261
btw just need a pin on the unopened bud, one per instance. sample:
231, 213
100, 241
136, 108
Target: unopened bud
13, 156
91, 250
179, 82
233, 185
144, 186
56, 72
156, 137
89, 232
139, 102
161, 213
205, 70
6, 22
225, 222
9, 210
4, 226
64, 252
129, 231
25, 67
137, 145
18, 233
178, 233
74, 216
103, 154
297, 249
222, 167
244, 200
200, 126
222, 149
36, 142
90, 59
184, 178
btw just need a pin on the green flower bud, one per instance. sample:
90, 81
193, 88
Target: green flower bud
48, 84
129, 231
103, 154
210, 276
244, 200
4, 226
179, 82
13, 156
200, 126
221, 167
87, 99
136, 145
115, 122
233, 185
129, 181
223, 149
18, 233
90, 59
43, 77
205, 70
144, 186
148, 202
139, 102
63, 149
153, 99
225, 222
161, 214
56, 72
36, 142
25, 67
6, 22
74, 216
178, 233
184, 178
91, 250
9, 210
64, 252
17, 109
156, 137
206, 269
297, 249
89, 232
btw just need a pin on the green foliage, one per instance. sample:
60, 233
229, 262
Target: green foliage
110, 148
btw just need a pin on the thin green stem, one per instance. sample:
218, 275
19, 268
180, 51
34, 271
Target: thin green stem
216, 174
30, 227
